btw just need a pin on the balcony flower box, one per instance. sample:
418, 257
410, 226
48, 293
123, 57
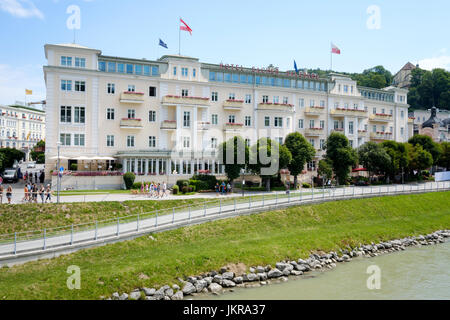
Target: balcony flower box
383, 115
234, 100
235, 124
317, 107
339, 130
170, 121
131, 119
132, 92
315, 128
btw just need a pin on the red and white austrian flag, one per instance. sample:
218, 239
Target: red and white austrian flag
335, 49
185, 27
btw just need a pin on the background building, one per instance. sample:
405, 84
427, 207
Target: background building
402, 79
164, 119
21, 128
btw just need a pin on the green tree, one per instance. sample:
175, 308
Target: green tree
427, 144
325, 169
128, 178
341, 155
9, 156
267, 157
235, 159
302, 152
419, 159
429, 88
38, 152
399, 157
444, 159
374, 158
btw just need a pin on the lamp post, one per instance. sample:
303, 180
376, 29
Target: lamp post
243, 181
58, 184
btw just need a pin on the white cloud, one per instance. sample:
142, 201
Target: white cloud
439, 61
14, 81
21, 8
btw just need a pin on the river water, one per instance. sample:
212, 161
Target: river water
416, 273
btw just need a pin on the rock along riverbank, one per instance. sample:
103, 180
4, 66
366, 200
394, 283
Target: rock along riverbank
223, 280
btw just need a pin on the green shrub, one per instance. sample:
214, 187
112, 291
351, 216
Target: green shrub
74, 167
210, 180
182, 183
306, 185
175, 189
199, 185
128, 178
136, 186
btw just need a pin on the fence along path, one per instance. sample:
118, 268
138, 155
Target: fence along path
69, 237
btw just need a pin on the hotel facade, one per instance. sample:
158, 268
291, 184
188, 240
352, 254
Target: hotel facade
165, 118
21, 128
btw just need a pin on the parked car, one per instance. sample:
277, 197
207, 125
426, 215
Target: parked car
31, 165
10, 175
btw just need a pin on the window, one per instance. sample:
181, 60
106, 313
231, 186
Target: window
278, 122
383, 129
152, 91
129, 68
214, 96
279, 140
345, 88
402, 131
110, 141
355, 106
267, 121
64, 138
213, 143
276, 99
322, 144
351, 143
402, 114
391, 129
350, 127
120, 68
231, 96
322, 103
174, 71
66, 85
374, 129
231, 118
248, 121
66, 114
111, 88
382, 111
66, 61
265, 99
391, 112
78, 140
80, 86
336, 124
285, 100
185, 93
131, 114
248, 142
322, 124
311, 141
301, 103
186, 142
300, 123
312, 103
311, 124
214, 119
79, 115
110, 114
374, 110
194, 72
130, 141
80, 62
152, 116
152, 142
366, 127
138, 69
187, 119
184, 72
131, 88
248, 98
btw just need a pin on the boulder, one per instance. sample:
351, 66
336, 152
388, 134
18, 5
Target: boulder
189, 288
228, 283
296, 273
260, 269
169, 292
215, 288
135, 295
149, 292
176, 287
275, 273
200, 285
178, 296
228, 275
115, 296
262, 276
124, 297
238, 280
250, 277
286, 272
217, 279
208, 280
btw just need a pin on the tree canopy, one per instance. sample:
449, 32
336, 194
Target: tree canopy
234, 154
374, 158
427, 144
302, 152
341, 156
429, 88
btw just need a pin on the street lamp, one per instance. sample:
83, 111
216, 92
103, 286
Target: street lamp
58, 184
243, 181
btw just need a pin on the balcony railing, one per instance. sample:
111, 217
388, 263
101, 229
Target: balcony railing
314, 131
314, 111
340, 112
380, 117
276, 106
132, 97
174, 100
380, 135
233, 104
169, 125
201, 125
126, 123
232, 126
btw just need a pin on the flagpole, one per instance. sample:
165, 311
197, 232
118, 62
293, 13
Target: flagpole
331, 59
179, 39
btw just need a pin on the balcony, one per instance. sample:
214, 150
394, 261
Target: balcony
314, 111
363, 134
132, 97
233, 127
380, 117
176, 100
233, 105
203, 125
380, 136
314, 132
126, 123
169, 125
342, 112
276, 106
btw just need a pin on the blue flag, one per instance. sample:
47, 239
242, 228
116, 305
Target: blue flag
295, 67
162, 44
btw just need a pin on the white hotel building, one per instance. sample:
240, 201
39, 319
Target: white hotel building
165, 118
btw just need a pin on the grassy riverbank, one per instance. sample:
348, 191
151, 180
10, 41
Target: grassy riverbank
251, 240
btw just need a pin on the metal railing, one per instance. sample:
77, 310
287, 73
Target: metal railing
65, 237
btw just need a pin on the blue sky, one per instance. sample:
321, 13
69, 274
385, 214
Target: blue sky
249, 33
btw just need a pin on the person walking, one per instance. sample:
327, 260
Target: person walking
1, 193
42, 193
25, 193
35, 192
48, 193
42, 177
9, 194
164, 189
